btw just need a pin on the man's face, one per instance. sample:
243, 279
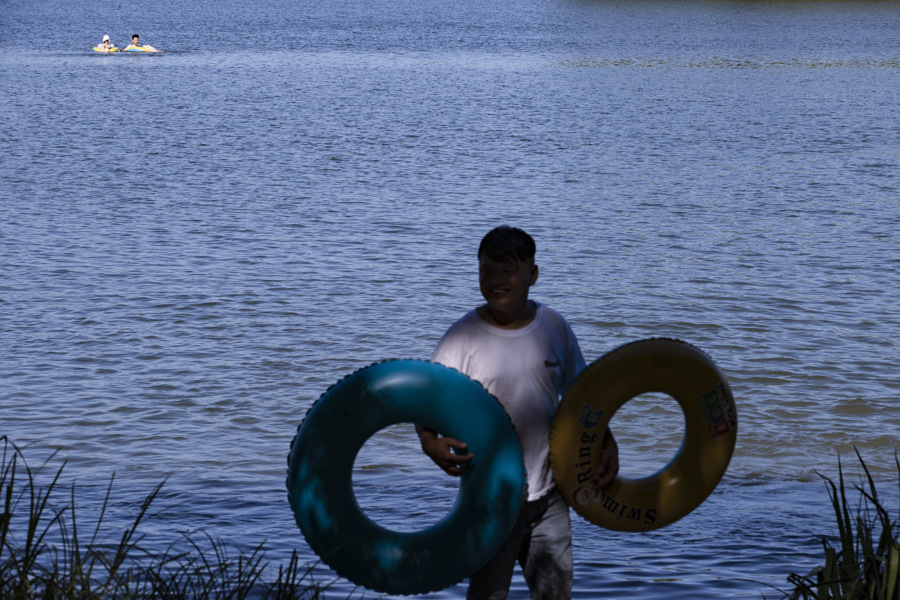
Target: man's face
135, 40
504, 285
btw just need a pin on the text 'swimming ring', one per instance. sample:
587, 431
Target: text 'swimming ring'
320, 487
652, 365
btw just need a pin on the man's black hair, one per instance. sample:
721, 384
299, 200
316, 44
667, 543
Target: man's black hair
507, 244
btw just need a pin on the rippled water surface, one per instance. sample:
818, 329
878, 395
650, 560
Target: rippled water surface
196, 244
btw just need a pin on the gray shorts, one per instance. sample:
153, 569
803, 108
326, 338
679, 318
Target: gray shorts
541, 542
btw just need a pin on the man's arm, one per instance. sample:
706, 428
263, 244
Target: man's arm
440, 450
609, 461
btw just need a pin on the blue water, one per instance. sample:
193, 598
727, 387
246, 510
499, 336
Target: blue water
196, 244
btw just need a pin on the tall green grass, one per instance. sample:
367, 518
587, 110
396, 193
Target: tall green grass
864, 564
44, 553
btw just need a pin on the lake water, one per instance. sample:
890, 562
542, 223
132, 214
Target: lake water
196, 244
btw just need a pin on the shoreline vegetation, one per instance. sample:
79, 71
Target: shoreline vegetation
43, 554
865, 562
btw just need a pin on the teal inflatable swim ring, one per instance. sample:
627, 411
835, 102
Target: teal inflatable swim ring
320, 487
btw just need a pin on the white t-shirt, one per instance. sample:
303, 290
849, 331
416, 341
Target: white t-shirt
527, 369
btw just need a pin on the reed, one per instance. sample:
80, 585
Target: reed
44, 554
864, 564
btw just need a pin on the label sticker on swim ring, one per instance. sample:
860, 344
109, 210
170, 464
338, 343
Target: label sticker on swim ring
719, 411
320, 488
662, 365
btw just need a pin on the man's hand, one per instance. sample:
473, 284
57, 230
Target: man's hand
608, 467
440, 450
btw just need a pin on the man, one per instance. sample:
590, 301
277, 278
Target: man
135, 46
526, 355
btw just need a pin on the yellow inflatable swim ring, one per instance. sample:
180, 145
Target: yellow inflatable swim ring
99, 49
662, 365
